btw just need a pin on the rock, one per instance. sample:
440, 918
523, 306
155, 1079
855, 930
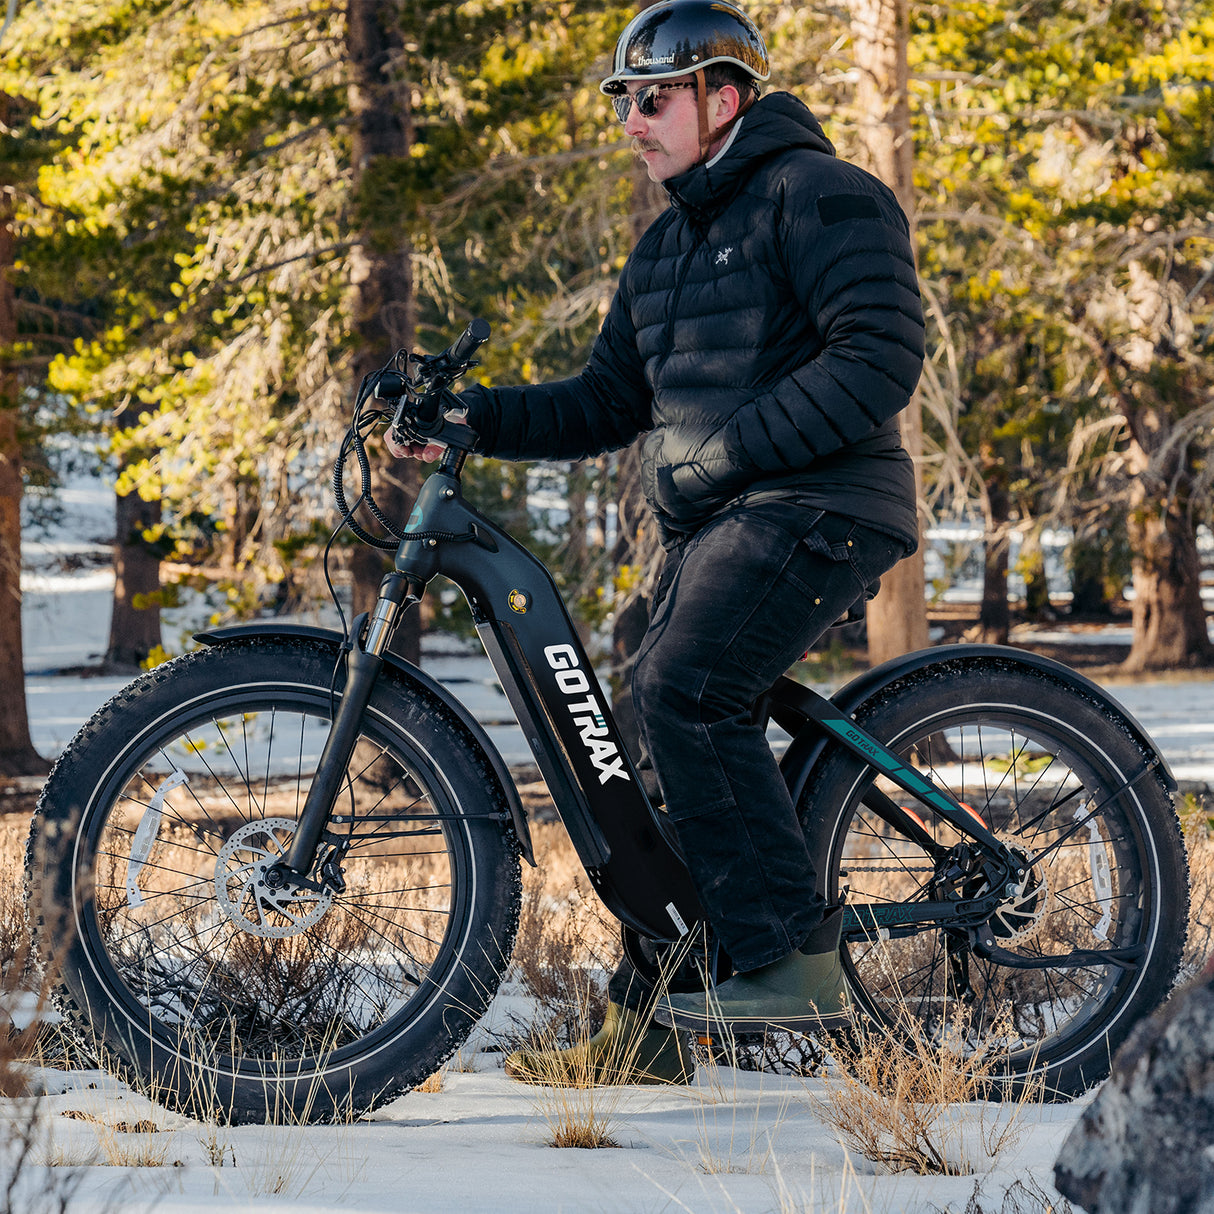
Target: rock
1146, 1143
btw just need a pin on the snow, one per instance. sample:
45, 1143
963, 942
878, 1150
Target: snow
732, 1142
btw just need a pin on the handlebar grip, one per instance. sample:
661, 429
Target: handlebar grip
476, 334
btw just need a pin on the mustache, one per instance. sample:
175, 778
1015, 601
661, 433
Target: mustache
640, 145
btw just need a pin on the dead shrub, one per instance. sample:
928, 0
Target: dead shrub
565, 947
896, 1096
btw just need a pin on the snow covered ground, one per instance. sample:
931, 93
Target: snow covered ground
732, 1142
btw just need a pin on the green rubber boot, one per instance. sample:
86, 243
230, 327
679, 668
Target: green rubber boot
626, 1049
805, 990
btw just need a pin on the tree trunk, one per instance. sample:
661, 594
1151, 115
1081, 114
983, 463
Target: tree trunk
135, 618
897, 617
382, 272
1037, 605
1170, 629
1089, 568
994, 617
17, 754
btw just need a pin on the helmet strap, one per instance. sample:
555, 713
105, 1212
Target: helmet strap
702, 110
707, 138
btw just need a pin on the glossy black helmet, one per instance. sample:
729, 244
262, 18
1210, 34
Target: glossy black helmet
680, 36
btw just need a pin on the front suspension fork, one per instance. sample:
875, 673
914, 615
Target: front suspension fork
397, 593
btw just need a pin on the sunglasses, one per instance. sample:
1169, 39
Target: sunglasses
648, 98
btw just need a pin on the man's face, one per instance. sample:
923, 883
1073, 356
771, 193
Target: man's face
669, 142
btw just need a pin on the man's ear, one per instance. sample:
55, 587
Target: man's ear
727, 100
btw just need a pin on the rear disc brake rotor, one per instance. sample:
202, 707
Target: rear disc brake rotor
1019, 916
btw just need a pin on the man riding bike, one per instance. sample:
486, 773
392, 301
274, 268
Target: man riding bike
764, 335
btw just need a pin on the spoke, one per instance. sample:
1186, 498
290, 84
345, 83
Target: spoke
1085, 912
243, 773
255, 810
192, 883
198, 751
403, 889
401, 927
353, 963
193, 827
1031, 782
197, 935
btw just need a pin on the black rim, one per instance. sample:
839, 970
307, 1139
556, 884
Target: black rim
193, 960
1033, 781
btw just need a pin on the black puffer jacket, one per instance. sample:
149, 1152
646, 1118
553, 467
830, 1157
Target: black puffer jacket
766, 331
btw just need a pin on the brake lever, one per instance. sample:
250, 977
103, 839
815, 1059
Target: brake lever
422, 395
408, 427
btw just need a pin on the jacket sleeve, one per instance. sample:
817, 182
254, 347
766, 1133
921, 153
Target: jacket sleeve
604, 407
852, 268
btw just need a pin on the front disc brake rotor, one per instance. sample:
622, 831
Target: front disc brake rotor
247, 897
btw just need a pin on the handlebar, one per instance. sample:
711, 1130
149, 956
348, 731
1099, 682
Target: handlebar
420, 387
426, 380
468, 342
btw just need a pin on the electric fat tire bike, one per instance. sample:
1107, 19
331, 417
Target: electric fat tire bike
278, 877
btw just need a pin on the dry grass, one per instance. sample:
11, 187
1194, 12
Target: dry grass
566, 946
125, 1144
566, 1096
727, 1140
15, 958
1023, 1197
433, 1083
897, 1100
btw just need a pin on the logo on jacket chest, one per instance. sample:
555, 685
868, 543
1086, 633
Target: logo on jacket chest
722, 258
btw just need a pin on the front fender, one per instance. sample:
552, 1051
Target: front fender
807, 744
329, 636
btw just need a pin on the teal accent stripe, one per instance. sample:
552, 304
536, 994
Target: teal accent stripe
889, 762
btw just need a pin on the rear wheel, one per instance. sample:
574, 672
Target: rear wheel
150, 875
1064, 784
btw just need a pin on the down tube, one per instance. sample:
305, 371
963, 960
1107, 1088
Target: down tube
567, 720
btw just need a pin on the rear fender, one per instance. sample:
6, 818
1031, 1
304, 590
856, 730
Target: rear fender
807, 744
328, 636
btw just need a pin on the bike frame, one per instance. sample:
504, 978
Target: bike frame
550, 683
547, 677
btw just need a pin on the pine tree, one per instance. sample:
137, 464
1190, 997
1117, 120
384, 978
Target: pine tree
1065, 220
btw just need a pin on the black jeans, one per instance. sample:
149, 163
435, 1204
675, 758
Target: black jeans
738, 603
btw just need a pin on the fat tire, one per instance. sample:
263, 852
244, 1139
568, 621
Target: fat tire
1140, 830
419, 745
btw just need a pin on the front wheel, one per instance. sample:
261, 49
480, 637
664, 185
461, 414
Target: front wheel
177, 958
1060, 781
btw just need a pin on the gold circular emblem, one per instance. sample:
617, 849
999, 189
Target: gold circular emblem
518, 602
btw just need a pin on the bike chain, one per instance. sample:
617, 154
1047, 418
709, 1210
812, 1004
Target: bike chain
889, 868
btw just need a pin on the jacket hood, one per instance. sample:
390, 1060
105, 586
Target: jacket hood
773, 125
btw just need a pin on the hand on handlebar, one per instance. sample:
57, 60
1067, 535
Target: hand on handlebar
427, 407
427, 452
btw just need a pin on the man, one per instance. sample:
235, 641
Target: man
765, 333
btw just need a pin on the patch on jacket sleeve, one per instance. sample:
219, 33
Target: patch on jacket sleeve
835, 208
